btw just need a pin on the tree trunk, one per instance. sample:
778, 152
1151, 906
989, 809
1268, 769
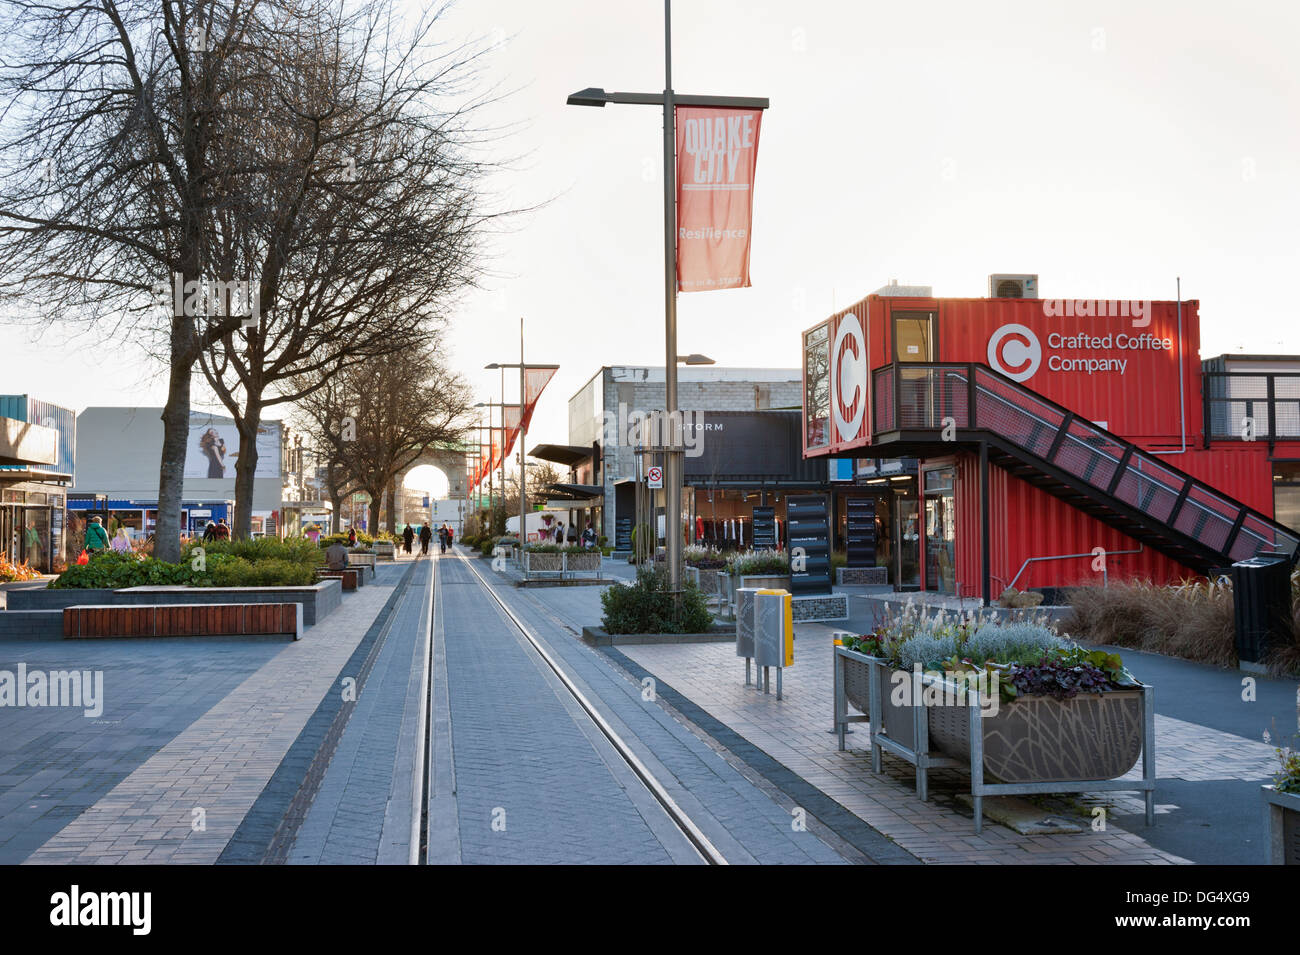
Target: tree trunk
392, 505
375, 501
176, 434
246, 470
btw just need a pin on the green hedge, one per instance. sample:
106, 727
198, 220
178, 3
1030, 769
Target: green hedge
259, 562
648, 607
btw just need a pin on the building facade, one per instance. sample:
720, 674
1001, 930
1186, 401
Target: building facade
37, 463
119, 450
1057, 442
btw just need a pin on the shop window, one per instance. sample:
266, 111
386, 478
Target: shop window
816, 383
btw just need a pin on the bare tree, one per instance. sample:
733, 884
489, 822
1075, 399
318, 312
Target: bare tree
126, 172
375, 419
151, 148
370, 228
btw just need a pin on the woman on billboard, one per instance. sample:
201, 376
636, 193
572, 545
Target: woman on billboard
213, 447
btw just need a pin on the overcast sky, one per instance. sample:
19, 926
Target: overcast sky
1106, 146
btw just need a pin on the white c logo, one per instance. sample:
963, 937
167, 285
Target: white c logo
1017, 359
849, 377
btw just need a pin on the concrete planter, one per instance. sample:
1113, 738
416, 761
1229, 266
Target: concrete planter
1281, 826
318, 600
385, 550
596, 637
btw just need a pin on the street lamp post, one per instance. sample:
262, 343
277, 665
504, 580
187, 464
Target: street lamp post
523, 434
594, 96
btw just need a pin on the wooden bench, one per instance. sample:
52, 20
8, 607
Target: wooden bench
352, 578
182, 620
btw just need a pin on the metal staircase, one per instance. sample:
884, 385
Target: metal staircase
932, 407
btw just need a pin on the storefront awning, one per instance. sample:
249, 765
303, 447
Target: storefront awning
583, 492
570, 455
18, 475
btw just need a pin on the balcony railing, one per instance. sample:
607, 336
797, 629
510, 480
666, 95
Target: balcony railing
1251, 406
915, 397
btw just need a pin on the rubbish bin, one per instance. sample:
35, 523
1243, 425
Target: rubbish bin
1261, 588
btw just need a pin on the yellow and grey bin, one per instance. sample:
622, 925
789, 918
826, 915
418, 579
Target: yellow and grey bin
770, 632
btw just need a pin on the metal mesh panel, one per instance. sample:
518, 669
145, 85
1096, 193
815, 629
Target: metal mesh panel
1015, 414
1089, 453
1149, 486
1258, 535
884, 408
1206, 517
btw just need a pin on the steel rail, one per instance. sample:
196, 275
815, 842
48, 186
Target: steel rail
707, 850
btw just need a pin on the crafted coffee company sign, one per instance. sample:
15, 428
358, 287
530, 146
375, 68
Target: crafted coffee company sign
1017, 352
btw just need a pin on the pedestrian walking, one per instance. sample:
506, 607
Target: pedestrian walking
96, 536
589, 537
426, 535
559, 533
352, 537
210, 532
408, 536
442, 540
121, 543
222, 532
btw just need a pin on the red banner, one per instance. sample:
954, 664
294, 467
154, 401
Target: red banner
535, 380
717, 151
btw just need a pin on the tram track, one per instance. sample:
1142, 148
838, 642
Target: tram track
679, 818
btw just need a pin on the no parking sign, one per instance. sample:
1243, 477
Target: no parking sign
654, 477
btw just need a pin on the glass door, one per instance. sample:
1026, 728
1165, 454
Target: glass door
914, 341
940, 532
909, 543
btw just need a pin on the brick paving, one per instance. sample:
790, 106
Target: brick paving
361, 815
794, 732
743, 817
221, 761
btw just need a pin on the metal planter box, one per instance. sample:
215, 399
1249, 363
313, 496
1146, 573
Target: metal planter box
1282, 826
1033, 745
1041, 740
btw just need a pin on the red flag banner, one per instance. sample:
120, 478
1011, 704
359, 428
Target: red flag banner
511, 415
717, 152
535, 380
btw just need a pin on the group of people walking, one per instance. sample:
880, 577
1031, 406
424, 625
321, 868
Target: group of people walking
445, 537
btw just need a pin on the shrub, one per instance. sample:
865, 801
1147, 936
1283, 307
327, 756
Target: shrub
295, 550
1191, 621
112, 571
1010, 643
275, 572
18, 571
647, 606
755, 562
363, 539
486, 546
929, 650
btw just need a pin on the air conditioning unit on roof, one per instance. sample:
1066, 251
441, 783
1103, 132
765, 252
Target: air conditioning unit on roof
1013, 286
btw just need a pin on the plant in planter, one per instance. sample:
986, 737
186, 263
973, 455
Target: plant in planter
1282, 800
1048, 690
648, 606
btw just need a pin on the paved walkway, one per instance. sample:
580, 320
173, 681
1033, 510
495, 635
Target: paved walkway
747, 818
185, 801
361, 814
1211, 758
